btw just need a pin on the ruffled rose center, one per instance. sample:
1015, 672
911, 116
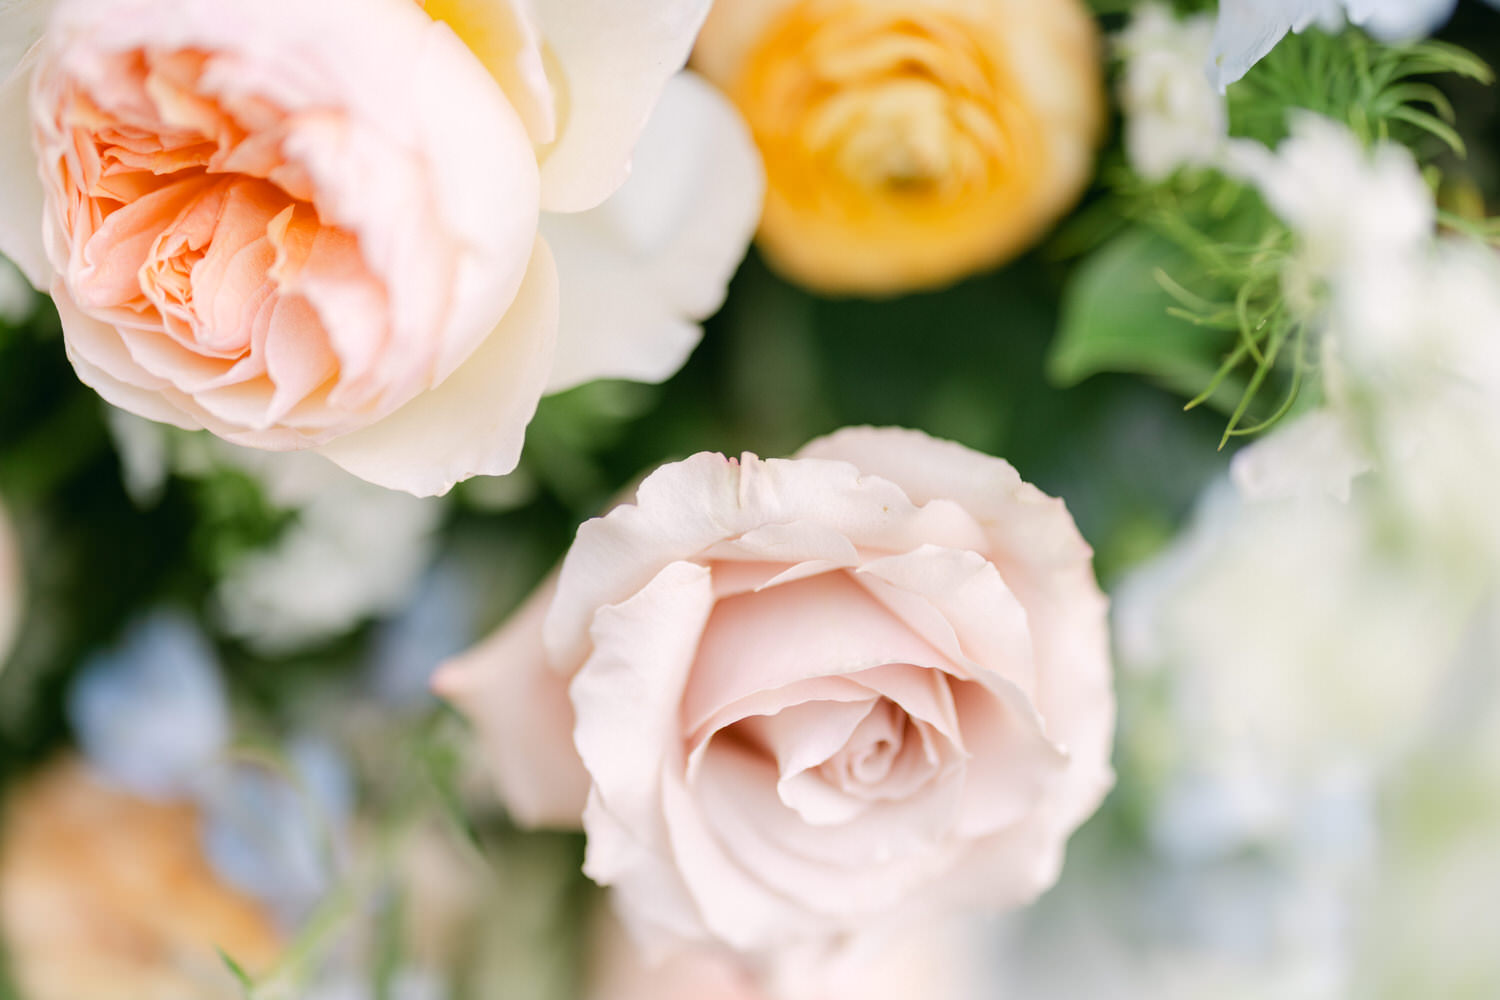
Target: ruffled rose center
823, 729
196, 235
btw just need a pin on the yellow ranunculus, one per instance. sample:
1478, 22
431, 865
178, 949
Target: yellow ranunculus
909, 142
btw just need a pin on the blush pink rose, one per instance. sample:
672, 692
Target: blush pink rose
941, 962
325, 224
11, 594
808, 697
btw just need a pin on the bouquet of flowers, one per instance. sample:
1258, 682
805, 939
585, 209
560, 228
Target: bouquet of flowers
748, 500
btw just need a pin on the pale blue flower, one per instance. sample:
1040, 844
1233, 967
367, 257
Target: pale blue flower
1248, 29
150, 713
279, 834
438, 623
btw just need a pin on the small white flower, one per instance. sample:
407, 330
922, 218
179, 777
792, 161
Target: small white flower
354, 552
1173, 115
1314, 455
1346, 204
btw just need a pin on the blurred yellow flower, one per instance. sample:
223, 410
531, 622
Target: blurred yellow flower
909, 143
108, 897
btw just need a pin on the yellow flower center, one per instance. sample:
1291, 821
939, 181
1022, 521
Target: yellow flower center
902, 104
905, 142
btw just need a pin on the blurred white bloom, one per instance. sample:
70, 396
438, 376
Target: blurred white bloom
151, 713
1173, 116
144, 450
1347, 205
276, 835
12, 581
1144, 927
1410, 364
17, 299
1248, 29
1313, 455
352, 551
1299, 643
1296, 660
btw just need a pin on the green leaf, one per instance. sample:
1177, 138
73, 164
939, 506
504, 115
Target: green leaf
237, 971
1118, 316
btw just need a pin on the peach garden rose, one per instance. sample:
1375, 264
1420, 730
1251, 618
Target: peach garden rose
375, 228
793, 700
909, 143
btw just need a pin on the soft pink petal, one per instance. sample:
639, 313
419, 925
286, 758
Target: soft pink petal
627, 695
1046, 564
683, 509
521, 712
854, 874
958, 602
475, 422
823, 626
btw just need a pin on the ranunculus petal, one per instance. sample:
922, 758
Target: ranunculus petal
615, 56
490, 398
644, 268
522, 714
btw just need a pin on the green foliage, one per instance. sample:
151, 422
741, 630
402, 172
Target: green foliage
1193, 297
1376, 89
1118, 316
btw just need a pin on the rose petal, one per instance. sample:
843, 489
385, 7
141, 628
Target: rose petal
475, 422
735, 908
1041, 557
95, 351
684, 508
627, 695
863, 869
656, 258
958, 602
615, 57
824, 626
22, 199
524, 718
506, 38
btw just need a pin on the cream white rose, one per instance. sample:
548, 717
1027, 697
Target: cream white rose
362, 226
809, 697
